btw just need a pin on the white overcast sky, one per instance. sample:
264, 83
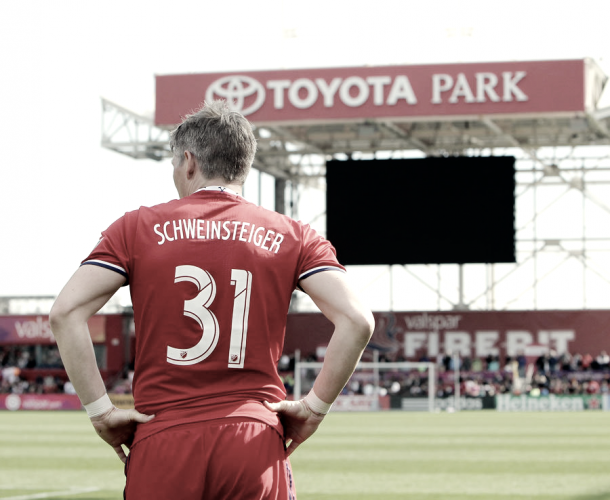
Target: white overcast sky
59, 188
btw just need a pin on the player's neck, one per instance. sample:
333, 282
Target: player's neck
219, 181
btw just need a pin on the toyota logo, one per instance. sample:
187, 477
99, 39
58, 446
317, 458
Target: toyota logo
236, 89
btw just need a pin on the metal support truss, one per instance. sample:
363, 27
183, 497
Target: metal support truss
562, 242
133, 135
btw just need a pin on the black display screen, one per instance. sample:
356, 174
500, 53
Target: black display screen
436, 210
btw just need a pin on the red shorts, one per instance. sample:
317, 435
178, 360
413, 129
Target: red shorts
231, 458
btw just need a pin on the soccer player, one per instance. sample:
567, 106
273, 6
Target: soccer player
211, 277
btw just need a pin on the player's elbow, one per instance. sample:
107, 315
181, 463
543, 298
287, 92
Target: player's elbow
368, 325
362, 324
59, 317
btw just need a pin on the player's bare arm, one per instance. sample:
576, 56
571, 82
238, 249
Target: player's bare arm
354, 326
84, 294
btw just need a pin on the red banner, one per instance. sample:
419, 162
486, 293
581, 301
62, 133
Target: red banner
14, 402
37, 330
413, 335
423, 91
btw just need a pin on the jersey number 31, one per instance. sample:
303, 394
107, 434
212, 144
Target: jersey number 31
197, 309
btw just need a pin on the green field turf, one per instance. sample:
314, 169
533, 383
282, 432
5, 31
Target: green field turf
359, 456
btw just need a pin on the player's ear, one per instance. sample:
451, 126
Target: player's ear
191, 164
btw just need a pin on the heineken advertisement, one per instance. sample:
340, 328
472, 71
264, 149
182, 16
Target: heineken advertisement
508, 402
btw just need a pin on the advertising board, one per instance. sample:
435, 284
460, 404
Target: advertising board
359, 402
415, 335
39, 402
509, 402
414, 92
35, 329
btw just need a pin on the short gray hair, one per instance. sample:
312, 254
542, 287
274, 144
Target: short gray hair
220, 139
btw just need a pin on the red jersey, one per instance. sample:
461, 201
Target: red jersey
211, 277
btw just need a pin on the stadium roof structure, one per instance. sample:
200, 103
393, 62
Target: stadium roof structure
302, 118
436, 109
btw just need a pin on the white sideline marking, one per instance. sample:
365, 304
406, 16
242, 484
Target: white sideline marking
52, 494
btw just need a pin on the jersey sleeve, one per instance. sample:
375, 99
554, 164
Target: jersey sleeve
113, 249
317, 255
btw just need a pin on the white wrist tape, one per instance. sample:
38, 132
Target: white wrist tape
99, 407
316, 404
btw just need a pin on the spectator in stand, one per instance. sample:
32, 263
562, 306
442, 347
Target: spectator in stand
573, 386
69, 388
288, 381
489, 389
51, 358
593, 387
23, 359
565, 361
557, 387
283, 363
123, 385
354, 387
542, 383
494, 364
587, 359
8, 357
488, 360
542, 363
477, 365
521, 363
21, 387
576, 363
602, 361
447, 362
10, 374
472, 388
49, 385
466, 363
423, 358
553, 361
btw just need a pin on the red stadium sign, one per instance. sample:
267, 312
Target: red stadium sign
413, 335
408, 92
37, 330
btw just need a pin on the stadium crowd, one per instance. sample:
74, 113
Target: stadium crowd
552, 373
32, 369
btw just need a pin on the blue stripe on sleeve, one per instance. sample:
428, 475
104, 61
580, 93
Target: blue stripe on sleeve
317, 270
105, 265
